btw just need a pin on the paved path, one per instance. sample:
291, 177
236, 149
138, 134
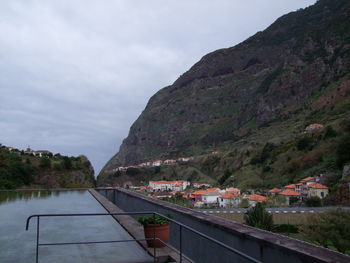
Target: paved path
271, 210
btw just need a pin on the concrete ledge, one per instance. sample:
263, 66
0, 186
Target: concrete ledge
135, 229
267, 241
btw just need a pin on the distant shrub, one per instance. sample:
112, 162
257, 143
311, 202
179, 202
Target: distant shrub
293, 166
117, 173
286, 228
266, 151
304, 143
313, 201
132, 171
244, 203
225, 177
67, 162
45, 162
157, 169
258, 217
329, 132
57, 166
210, 163
345, 125
267, 168
343, 151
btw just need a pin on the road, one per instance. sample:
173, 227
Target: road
272, 210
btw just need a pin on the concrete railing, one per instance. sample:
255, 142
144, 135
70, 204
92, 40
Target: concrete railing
261, 245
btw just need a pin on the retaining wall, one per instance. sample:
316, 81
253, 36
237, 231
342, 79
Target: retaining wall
262, 245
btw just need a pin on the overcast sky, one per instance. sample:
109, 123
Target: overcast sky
75, 74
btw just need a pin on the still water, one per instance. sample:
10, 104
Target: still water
18, 245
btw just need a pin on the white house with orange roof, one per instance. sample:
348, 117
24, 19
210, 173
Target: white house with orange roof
229, 199
168, 185
255, 198
289, 194
274, 191
210, 197
290, 186
169, 161
316, 189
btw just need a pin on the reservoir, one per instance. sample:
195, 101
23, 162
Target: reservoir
18, 245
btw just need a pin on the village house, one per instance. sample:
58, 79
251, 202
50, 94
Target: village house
168, 185
233, 191
210, 198
185, 159
255, 198
39, 153
313, 128
145, 164
290, 194
206, 197
316, 189
42, 153
273, 191
197, 195
157, 163
10, 148
229, 200
169, 161
290, 186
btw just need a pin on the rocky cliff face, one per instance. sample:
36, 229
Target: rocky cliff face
229, 92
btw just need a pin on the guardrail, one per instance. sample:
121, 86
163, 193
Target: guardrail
182, 226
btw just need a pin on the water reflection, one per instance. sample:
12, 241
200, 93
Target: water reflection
12, 196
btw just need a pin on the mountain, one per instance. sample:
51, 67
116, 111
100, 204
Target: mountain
269, 87
23, 169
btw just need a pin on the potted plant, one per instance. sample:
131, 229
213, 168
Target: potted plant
156, 227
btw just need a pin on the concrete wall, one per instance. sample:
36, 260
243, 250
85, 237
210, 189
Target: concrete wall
262, 245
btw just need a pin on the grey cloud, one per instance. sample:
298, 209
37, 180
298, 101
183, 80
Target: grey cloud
75, 74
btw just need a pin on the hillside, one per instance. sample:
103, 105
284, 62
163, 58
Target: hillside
21, 170
236, 100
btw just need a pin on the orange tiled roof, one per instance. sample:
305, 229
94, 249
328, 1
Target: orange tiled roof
274, 190
213, 189
290, 186
199, 192
258, 198
318, 186
307, 179
290, 192
227, 196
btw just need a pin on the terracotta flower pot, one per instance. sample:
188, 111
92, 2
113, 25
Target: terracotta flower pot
158, 231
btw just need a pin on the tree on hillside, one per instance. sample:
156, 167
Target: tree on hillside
258, 217
343, 151
67, 162
45, 162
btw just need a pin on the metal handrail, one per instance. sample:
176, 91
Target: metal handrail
129, 240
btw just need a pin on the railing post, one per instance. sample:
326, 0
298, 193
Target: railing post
180, 244
154, 237
37, 240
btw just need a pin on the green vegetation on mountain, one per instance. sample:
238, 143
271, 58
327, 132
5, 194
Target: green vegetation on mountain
20, 170
242, 111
